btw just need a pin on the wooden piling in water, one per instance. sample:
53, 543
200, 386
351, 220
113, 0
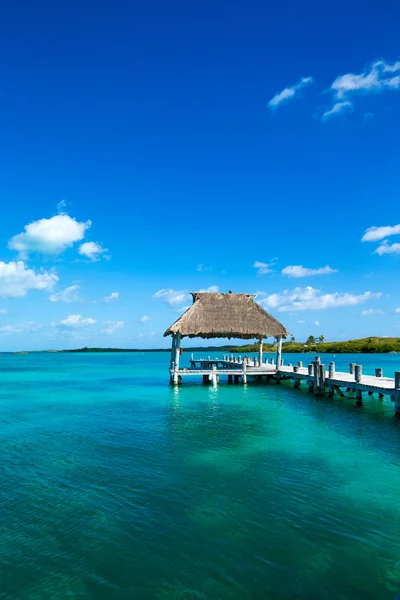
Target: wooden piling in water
331, 390
317, 386
358, 375
311, 377
296, 380
379, 373
397, 393
322, 379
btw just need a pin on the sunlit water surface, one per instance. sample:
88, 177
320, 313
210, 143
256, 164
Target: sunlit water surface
115, 485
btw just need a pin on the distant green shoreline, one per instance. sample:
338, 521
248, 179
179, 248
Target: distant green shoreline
370, 345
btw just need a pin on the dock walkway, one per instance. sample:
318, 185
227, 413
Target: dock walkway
320, 381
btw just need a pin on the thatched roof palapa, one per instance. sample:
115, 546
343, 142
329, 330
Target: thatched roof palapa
214, 315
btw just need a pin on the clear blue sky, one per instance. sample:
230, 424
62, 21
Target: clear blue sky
215, 134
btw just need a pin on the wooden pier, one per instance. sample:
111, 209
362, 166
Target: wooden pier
321, 380
216, 315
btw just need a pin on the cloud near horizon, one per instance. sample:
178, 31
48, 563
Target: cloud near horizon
308, 298
75, 322
16, 280
113, 326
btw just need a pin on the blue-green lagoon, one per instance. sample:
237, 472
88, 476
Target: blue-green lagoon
115, 485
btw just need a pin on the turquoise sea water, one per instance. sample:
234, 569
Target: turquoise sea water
115, 485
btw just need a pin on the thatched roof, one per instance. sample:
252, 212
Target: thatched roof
226, 316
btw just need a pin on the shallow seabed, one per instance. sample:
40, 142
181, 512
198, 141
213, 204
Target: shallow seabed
115, 485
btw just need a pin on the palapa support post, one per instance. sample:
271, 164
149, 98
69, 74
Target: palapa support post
244, 376
279, 351
175, 352
260, 352
176, 378
172, 361
397, 393
358, 375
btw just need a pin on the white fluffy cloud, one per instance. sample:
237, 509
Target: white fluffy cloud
380, 76
375, 234
70, 294
16, 280
113, 326
145, 319
212, 289
172, 297
30, 326
337, 108
176, 298
297, 271
49, 236
75, 322
309, 298
289, 93
92, 250
113, 296
263, 268
386, 248
371, 311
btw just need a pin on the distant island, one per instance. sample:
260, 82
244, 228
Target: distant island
368, 345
